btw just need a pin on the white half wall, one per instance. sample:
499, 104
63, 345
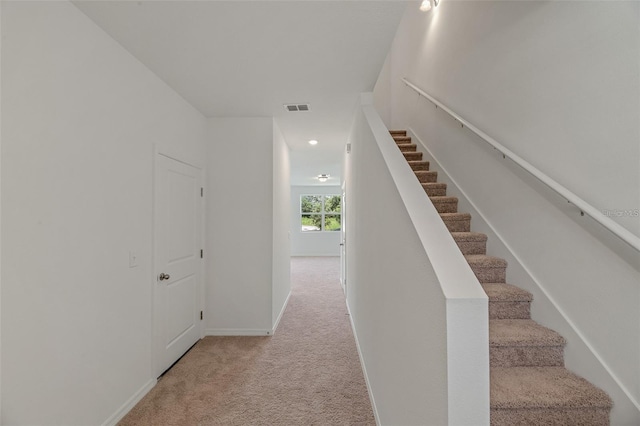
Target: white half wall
80, 117
558, 84
317, 243
281, 218
418, 312
396, 305
240, 226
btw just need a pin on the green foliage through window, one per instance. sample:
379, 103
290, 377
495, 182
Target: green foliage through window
320, 212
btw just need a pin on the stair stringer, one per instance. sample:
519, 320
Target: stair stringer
580, 356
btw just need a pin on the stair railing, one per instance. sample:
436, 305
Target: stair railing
585, 208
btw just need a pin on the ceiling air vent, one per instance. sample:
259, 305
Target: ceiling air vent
296, 107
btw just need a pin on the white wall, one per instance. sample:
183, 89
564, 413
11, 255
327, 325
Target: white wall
80, 120
312, 243
398, 319
556, 83
240, 226
281, 218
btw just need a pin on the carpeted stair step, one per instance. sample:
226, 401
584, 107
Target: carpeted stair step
418, 165
457, 222
445, 204
508, 301
413, 156
470, 242
400, 140
488, 269
435, 189
529, 384
550, 396
524, 343
408, 147
425, 176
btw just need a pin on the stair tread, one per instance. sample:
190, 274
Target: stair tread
503, 292
425, 176
486, 261
425, 173
407, 146
469, 236
543, 388
522, 332
433, 184
410, 156
455, 216
401, 138
418, 165
445, 198
398, 132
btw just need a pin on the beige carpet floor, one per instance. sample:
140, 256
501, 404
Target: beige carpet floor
308, 373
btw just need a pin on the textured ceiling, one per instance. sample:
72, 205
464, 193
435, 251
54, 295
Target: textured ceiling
248, 58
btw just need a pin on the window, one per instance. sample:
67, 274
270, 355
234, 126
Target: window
320, 212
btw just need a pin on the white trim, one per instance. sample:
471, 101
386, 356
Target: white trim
531, 275
238, 332
0, 226
175, 154
284, 307
364, 369
131, 402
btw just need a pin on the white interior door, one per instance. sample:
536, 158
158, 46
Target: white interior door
178, 243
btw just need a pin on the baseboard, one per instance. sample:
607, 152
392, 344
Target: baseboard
131, 402
364, 369
237, 332
284, 306
324, 254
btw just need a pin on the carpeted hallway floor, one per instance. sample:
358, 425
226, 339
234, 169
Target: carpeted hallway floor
308, 373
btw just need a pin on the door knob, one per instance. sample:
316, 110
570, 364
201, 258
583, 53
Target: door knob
164, 276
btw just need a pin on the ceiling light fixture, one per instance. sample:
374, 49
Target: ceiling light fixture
313, 142
425, 6
323, 177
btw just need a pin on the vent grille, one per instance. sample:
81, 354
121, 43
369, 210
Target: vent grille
297, 107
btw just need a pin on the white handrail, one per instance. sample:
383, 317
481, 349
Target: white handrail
585, 208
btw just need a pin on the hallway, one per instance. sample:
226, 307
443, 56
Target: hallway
307, 373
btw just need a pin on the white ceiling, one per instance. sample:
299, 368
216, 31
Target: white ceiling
248, 58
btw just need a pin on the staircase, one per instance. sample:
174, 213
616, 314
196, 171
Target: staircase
529, 384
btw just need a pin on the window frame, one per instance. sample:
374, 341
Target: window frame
322, 213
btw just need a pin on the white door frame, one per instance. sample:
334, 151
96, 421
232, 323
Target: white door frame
155, 320
343, 238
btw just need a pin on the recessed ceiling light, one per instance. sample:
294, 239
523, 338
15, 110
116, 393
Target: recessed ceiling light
323, 177
313, 142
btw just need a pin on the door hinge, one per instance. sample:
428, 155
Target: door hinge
200, 315
202, 192
201, 254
